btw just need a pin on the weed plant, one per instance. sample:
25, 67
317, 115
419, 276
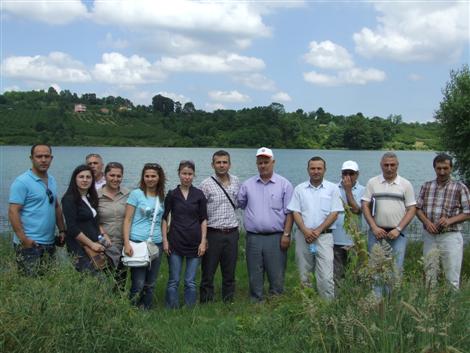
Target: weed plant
65, 311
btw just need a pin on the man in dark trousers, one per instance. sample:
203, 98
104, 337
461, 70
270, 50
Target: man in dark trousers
222, 229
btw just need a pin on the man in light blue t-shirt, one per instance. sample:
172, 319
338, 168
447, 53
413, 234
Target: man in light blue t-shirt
351, 193
34, 211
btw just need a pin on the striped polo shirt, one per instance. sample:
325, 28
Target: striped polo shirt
389, 199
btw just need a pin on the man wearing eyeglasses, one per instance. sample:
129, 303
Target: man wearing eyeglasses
95, 162
351, 194
34, 211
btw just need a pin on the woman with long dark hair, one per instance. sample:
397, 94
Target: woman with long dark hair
144, 205
79, 205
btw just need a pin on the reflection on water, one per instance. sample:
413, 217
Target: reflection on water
416, 166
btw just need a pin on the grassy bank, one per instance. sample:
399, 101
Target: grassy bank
65, 311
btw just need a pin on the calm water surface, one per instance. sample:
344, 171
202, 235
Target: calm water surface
416, 166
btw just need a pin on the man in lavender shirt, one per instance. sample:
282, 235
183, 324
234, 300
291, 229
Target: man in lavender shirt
268, 225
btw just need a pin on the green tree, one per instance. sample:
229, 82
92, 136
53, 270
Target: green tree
454, 117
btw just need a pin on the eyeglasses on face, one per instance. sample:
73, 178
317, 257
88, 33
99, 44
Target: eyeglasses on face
348, 172
50, 195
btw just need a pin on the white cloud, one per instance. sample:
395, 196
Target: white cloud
256, 81
57, 66
228, 96
236, 18
281, 97
416, 31
116, 68
52, 12
114, 43
210, 107
415, 77
221, 63
354, 76
328, 55
175, 97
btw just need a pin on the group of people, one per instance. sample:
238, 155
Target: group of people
197, 226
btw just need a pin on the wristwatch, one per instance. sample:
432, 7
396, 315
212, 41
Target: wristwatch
398, 228
287, 235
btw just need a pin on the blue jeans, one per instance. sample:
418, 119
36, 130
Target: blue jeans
143, 281
33, 261
399, 249
175, 263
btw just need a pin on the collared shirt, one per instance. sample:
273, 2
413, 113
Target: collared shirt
391, 199
448, 200
265, 204
340, 236
37, 213
316, 203
100, 183
220, 212
111, 212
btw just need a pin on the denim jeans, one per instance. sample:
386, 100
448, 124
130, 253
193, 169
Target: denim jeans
175, 264
143, 281
399, 249
33, 261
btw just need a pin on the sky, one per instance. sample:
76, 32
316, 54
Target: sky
375, 57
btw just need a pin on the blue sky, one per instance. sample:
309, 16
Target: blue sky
374, 57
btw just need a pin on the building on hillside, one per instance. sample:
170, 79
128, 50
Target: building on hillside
104, 110
80, 108
124, 108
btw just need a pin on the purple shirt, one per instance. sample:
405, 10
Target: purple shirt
265, 204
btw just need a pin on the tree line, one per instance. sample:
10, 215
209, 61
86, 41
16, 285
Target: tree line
49, 116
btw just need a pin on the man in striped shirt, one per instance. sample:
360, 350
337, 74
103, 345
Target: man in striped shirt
389, 206
443, 205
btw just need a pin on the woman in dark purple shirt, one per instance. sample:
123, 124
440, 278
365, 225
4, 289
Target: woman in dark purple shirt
186, 237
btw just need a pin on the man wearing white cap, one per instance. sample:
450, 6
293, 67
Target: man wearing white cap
268, 224
351, 194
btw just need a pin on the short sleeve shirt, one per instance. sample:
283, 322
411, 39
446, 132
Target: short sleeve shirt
390, 199
143, 215
265, 203
316, 203
37, 213
340, 236
111, 213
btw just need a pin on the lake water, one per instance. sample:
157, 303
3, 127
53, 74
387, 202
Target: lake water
416, 166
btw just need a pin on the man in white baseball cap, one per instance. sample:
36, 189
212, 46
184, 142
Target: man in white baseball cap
351, 193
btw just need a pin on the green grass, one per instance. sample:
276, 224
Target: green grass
65, 311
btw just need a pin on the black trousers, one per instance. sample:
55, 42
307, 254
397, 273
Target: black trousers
339, 263
223, 249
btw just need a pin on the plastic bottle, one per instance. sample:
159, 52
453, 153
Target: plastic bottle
102, 240
313, 248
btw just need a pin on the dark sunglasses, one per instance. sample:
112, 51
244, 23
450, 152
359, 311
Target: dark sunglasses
50, 195
348, 172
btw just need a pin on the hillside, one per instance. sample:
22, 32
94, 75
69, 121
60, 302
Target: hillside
29, 117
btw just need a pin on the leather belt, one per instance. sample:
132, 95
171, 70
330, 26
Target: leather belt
223, 230
327, 231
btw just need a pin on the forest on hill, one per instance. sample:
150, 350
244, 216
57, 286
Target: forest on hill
51, 117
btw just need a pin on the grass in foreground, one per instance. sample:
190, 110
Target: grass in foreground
65, 311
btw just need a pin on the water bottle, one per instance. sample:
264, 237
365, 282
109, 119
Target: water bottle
313, 248
102, 240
